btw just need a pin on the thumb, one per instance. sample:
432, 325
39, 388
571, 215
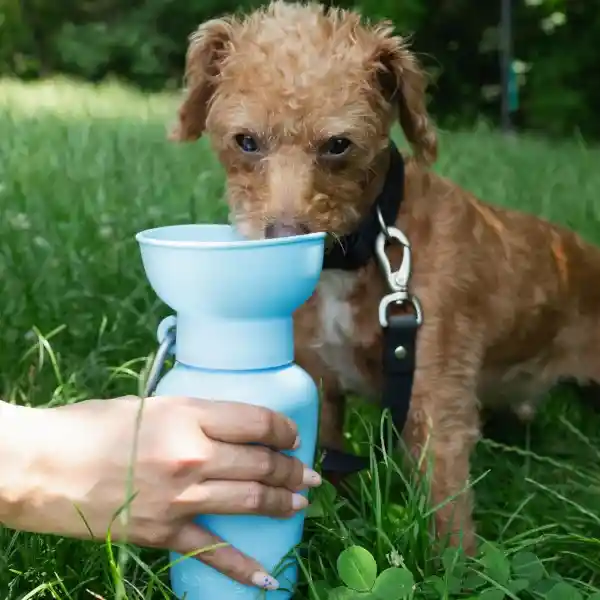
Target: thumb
226, 559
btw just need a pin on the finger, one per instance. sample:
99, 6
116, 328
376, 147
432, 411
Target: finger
238, 423
225, 559
239, 497
258, 463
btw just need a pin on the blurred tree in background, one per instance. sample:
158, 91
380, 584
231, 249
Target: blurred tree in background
557, 56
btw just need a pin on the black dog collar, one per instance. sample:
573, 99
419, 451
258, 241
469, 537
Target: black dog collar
399, 332
356, 249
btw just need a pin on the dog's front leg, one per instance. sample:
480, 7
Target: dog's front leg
331, 431
441, 432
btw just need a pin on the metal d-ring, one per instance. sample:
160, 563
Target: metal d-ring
165, 348
399, 298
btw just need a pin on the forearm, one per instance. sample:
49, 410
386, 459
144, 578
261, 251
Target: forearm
48, 468
15, 456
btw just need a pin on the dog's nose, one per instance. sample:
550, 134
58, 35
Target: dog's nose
279, 229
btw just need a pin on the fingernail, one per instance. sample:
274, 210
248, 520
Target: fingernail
296, 443
264, 581
311, 478
299, 502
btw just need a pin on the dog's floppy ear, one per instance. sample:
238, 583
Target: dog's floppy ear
207, 47
403, 82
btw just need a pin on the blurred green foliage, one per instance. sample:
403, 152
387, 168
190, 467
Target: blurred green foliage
144, 41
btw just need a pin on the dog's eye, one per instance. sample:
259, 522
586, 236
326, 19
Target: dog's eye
246, 142
336, 146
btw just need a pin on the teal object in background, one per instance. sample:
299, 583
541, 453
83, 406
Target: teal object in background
513, 89
234, 300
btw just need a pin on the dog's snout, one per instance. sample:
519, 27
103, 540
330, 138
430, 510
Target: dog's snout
279, 229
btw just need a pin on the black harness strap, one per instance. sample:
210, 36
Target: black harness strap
399, 332
399, 349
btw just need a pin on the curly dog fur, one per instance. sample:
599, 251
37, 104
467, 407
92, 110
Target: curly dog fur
509, 302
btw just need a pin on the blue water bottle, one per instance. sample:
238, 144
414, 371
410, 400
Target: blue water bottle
233, 340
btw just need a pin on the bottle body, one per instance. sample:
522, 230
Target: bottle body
231, 330
286, 389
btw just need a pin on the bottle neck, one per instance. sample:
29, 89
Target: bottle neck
234, 344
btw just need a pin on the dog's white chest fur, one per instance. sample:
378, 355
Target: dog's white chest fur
336, 329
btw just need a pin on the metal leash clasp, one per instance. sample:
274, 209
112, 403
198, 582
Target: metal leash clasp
166, 337
396, 280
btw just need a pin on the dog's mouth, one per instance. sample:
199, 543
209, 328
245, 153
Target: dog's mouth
281, 229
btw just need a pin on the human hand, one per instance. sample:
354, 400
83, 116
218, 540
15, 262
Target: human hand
58, 465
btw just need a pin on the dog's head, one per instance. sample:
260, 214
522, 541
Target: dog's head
299, 102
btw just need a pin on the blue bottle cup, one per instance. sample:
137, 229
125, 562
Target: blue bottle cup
234, 301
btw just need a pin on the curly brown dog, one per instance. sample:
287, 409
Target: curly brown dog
299, 101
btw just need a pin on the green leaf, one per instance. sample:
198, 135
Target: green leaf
526, 565
492, 594
543, 587
315, 510
341, 593
396, 513
319, 590
473, 581
437, 583
594, 596
358, 526
454, 584
357, 568
394, 584
496, 564
517, 585
564, 591
453, 561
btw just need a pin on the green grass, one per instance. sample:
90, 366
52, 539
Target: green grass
82, 170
